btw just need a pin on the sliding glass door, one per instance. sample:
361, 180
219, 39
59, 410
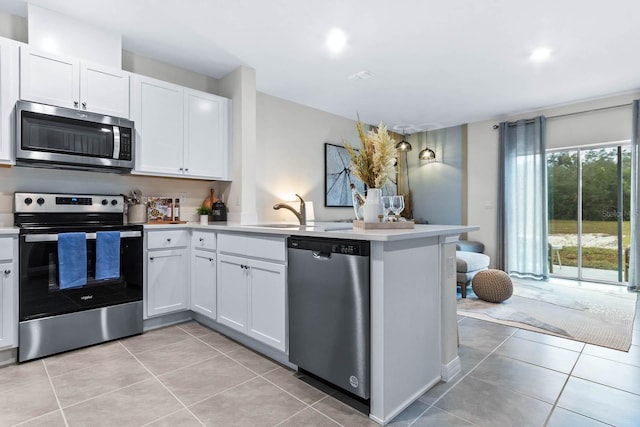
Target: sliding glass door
589, 212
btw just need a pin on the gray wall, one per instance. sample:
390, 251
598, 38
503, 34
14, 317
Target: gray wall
438, 187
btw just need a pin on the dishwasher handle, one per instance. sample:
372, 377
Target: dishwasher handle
321, 256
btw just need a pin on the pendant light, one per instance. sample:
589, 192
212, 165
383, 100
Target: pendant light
427, 154
403, 145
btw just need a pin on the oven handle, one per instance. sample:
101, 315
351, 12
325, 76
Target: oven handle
90, 236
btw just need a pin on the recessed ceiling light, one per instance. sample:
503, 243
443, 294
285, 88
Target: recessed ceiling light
541, 54
336, 40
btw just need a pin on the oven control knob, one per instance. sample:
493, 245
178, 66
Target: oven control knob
28, 201
40, 201
114, 202
104, 202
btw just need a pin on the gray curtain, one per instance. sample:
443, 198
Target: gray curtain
522, 197
635, 198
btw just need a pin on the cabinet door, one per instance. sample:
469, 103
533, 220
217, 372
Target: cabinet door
9, 79
8, 305
205, 134
49, 79
104, 90
156, 109
203, 283
267, 303
232, 292
167, 273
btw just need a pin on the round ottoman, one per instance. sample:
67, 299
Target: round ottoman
492, 285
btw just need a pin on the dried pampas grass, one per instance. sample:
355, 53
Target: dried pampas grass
374, 161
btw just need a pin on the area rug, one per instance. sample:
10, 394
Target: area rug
588, 314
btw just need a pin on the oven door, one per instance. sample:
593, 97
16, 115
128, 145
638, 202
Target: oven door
40, 293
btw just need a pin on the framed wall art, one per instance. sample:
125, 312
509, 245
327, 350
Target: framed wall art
338, 177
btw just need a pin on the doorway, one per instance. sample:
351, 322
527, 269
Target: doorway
589, 208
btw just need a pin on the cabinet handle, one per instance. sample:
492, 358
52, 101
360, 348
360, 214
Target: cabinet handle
202, 239
168, 239
181, 169
84, 105
186, 169
7, 272
151, 259
210, 259
75, 104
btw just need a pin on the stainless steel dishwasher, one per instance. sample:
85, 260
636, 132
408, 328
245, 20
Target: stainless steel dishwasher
328, 288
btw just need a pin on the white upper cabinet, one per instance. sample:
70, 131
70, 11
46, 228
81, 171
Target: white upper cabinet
9, 71
179, 131
206, 118
104, 90
71, 83
157, 111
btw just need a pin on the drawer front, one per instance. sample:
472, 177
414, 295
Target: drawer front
6, 249
167, 239
232, 243
273, 248
203, 240
267, 247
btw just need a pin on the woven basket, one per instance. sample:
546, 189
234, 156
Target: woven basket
492, 285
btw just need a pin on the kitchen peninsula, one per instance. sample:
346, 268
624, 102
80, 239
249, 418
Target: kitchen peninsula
412, 300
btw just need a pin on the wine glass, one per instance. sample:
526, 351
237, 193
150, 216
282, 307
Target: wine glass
387, 206
397, 205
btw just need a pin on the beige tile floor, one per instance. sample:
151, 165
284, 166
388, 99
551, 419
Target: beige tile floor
188, 375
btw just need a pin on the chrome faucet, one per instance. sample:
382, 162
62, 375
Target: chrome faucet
302, 215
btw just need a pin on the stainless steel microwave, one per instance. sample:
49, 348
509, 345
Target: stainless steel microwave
55, 137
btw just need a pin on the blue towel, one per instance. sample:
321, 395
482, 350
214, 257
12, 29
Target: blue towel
107, 254
72, 259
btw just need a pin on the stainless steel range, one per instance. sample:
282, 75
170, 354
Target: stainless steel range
80, 277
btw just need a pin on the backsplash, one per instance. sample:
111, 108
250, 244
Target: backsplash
24, 179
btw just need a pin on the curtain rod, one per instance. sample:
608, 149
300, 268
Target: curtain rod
579, 112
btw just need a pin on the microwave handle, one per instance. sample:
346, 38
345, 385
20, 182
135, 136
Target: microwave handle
116, 142
29, 238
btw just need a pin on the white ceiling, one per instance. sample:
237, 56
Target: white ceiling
435, 63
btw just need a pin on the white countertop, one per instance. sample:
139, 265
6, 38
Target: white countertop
9, 231
339, 230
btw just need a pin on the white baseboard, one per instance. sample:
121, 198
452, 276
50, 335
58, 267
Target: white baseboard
451, 369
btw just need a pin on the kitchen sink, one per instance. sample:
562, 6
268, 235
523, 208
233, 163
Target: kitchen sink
326, 226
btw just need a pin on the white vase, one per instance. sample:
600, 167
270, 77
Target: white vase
372, 205
204, 219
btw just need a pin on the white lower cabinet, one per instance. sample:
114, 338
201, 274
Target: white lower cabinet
232, 292
252, 292
267, 302
203, 283
167, 290
8, 304
8, 293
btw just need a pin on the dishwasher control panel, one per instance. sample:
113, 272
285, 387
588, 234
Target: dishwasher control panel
330, 246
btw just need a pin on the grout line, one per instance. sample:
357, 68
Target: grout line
228, 355
566, 381
222, 391
167, 388
157, 348
64, 417
462, 378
